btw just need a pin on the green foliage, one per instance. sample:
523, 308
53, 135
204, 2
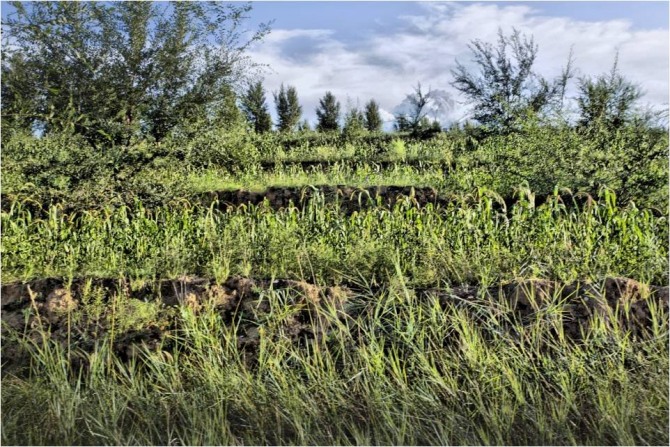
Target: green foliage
397, 150
67, 169
354, 124
373, 120
115, 71
468, 242
607, 100
227, 114
506, 90
405, 371
56, 163
288, 108
328, 114
631, 161
219, 147
18, 103
116, 118
256, 109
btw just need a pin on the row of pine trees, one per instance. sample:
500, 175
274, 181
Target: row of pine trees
289, 112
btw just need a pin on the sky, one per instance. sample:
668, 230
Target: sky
381, 50
362, 50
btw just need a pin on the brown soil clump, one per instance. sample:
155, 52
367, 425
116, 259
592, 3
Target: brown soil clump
58, 304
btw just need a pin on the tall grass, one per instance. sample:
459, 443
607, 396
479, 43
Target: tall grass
474, 241
405, 371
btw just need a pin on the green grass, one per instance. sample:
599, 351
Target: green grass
326, 148
468, 242
399, 369
364, 175
632, 162
405, 372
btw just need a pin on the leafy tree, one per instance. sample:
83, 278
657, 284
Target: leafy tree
256, 109
19, 107
373, 120
607, 100
412, 113
328, 114
111, 71
505, 88
288, 108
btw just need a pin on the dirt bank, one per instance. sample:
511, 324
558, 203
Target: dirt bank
89, 310
350, 198
269, 165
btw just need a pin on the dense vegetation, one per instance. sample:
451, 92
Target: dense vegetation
467, 243
631, 161
319, 321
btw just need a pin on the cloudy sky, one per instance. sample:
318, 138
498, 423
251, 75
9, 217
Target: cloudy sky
380, 50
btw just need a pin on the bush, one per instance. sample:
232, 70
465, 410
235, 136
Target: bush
230, 149
56, 164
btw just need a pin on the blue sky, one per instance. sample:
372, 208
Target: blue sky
380, 50
352, 18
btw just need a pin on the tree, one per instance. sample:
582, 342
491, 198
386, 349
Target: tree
110, 71
328, 114
256, 109
354, 122
402, 124
505, 88
373, 120
288, 108
19, 106
412, 114
607, 100
228, 114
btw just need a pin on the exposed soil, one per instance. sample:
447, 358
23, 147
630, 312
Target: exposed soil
350, 198
69, 314
382, 164
353, 198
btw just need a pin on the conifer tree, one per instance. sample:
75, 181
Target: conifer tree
228, 113
288, 108
255, 108
373, 120
328, 114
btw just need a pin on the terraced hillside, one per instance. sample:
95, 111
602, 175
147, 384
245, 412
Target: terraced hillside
404, 313
484, 262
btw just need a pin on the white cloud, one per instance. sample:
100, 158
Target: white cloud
386, 66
